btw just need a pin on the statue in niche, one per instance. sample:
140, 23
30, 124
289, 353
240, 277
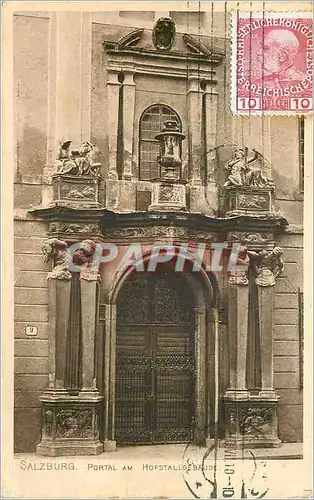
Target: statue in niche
164, 33
268, 265
57, 251
78, 162
245, 171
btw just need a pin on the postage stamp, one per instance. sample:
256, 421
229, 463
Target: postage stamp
272, 63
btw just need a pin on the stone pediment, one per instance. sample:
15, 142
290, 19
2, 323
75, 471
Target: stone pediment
141, 42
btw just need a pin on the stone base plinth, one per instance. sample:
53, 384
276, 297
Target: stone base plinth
252, 422
70, 425
76, 191
248, 200
120, 195
110, 446
74, 447
168, 196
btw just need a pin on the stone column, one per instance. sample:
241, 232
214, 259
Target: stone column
89, 307
268, 266
128, 123
110, 378
238, 335
113, 86
59, 305
266, 297
252, 421
59, 289
70, 421
195, 94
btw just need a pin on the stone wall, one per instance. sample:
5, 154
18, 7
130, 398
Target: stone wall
31, 353
287, 368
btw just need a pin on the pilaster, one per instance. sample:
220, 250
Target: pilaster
195, 95
251, 417
113, 86
266, 298
238, 337
70, 419
128, 123
59, 305
211, 113
89, 305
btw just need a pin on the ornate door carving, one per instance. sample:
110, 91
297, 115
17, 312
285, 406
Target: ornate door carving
155, 362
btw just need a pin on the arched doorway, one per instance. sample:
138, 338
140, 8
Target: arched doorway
155, 396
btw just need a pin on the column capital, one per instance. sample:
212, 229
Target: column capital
113, 76
195, 84
210, 89
129, 80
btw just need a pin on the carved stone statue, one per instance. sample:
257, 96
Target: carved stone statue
245, 171
164, 33
77, 162
57, 251
239, 276
85, 255
268, 265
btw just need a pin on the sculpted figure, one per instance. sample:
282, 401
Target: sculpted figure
77, 162
254, 175
57, 251
245, 171
85, 255
238, 167
268, 265
239, 277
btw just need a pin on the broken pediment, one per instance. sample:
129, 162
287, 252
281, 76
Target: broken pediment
130, 39
163, 40
195, 46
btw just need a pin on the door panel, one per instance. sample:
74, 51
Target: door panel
155, 362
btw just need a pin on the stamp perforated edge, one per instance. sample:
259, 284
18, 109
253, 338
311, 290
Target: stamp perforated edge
234, 15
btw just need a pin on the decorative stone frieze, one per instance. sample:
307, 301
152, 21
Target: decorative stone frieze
70, 426
73, 228
248, 238
76, 191
253, 423
153, 232
248, 200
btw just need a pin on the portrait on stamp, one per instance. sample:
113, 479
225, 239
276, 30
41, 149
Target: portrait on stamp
273, 58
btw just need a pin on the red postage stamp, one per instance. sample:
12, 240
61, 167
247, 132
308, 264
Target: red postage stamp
272, 63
